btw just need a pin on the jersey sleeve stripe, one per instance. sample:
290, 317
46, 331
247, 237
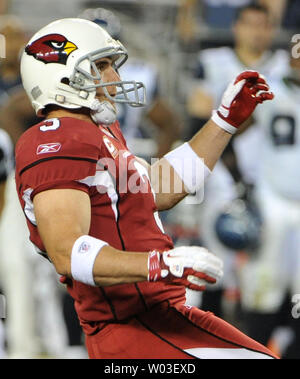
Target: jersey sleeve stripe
56, 157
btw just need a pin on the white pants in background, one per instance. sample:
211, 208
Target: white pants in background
276, 267
30, 286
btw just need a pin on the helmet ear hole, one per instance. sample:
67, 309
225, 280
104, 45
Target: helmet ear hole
65, 81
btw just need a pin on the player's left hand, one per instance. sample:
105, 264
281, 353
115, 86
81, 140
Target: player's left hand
191, 266
240, 100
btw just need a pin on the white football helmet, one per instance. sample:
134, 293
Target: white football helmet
58, 66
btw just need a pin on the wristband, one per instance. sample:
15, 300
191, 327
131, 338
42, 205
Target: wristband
84, 253
222, 123
156, 270
189, 167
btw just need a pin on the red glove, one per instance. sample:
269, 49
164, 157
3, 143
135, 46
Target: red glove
240, 99
189, 266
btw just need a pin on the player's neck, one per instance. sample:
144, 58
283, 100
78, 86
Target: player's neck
58, 113
248, 57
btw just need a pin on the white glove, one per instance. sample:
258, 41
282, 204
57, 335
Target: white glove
191, 266
240, 100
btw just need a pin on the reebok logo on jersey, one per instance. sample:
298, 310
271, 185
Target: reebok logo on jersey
47, 148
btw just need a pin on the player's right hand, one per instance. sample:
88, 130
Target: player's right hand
191, 266
240, 100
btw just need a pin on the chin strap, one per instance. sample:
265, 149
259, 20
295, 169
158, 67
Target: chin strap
103, 112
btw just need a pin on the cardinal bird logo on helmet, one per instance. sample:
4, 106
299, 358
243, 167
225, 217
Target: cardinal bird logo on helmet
52, 48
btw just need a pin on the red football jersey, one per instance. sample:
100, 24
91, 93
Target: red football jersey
70, 153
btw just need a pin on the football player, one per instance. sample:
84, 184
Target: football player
253, 32
132, 123
6, 164
275, 269
93, 212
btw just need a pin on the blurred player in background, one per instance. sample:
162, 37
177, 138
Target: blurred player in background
275, 269
16, 274
193, 14
253, 32
220, 14
26, 305
16, 111
12, 29
98, 237
6, 166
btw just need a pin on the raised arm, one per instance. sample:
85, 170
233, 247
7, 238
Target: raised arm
184, 169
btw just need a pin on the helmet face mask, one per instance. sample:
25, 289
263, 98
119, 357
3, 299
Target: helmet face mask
59, 66
84, 80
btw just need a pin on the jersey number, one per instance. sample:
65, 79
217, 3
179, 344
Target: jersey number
283, 128
51, 124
